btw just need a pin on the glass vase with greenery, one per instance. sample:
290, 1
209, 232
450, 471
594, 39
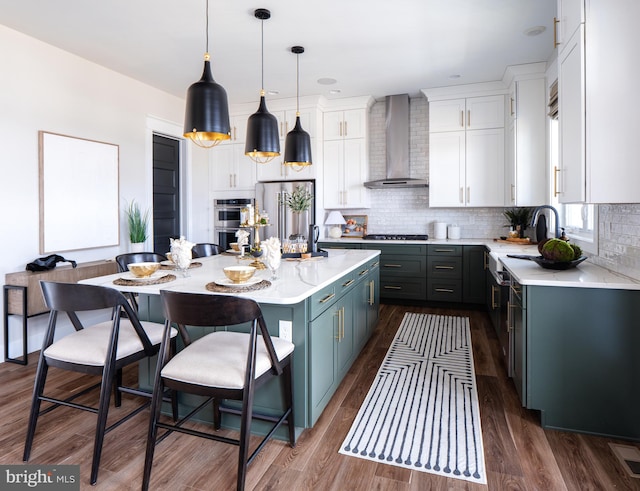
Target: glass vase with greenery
138, 223
299, 201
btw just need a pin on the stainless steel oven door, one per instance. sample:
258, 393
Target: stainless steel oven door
227, 217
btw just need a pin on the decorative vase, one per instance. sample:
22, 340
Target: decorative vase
300, 224
137, 247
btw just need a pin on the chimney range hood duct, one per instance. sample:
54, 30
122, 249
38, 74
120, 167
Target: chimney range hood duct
397, 136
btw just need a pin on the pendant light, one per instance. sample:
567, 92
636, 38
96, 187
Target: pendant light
262, 141
297, 147
206, 120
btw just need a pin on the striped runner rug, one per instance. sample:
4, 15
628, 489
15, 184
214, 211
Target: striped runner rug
422, 411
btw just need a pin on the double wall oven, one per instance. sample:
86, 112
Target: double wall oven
226, 220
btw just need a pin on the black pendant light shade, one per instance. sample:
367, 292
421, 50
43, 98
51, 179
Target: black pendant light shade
206, 120
263, 140
297, 148
262, 143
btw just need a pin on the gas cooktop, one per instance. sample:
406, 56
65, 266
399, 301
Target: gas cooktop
395, 237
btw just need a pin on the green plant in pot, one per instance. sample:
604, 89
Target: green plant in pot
519, 218
138, 223
299, 202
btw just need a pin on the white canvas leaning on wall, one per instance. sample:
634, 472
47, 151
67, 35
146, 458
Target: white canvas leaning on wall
79, 197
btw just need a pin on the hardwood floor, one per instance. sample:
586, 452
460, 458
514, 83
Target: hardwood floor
519, 454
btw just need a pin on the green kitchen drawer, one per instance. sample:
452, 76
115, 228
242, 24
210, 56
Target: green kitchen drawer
444, 267
403, 288
444, 250
322, 300
402, 265
346, 283
385, 249
443, 290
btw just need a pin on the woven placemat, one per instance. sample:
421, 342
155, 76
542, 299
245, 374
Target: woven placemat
125, 282
194, 264
214, 287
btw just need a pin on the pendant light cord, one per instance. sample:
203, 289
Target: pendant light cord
262, 54
297, 84
207, 26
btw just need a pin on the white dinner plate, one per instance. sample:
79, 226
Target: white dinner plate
152, 277
231, 251
228, 282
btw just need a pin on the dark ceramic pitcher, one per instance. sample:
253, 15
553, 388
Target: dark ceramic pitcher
314, 235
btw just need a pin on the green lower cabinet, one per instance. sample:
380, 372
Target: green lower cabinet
581, 356
473, 274
322, 362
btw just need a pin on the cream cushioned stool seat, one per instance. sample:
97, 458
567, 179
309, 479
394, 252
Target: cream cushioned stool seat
221, 358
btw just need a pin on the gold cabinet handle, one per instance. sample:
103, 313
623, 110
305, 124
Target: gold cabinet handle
511, 106
443, 267
556, 21
340, 314
468, 194
555, 181
327, 298
444, 290
513, 193
348, 283
461, 195
468, 118
493, 297
340, 128
371, 292
462, 118
392, 265
363, 272
445, 250
391, 287
346, 132
485, 264
375, 265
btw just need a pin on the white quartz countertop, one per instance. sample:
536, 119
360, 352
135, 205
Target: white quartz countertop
585, 275
296, 280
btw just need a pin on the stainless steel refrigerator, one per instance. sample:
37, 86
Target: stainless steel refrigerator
271, 197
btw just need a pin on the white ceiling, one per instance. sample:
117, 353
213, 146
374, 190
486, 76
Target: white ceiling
370, 47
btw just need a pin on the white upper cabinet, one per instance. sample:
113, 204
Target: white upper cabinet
526, 161
231, 169
346, 162
339, 125
473, 113
598, 72
466, 151
571, 13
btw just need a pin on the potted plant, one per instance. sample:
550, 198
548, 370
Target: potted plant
138, 223
299, 201
519, 219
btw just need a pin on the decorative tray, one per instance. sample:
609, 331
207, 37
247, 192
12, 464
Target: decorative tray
548, 263
298, 255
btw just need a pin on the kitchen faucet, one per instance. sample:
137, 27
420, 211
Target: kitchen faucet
536, 212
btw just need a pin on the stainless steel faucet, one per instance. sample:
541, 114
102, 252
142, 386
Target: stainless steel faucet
536, 212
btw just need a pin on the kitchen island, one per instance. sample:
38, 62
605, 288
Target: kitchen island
328, 307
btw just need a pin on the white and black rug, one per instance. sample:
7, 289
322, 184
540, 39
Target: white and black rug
422, 410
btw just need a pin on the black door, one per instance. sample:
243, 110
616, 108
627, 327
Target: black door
166, 192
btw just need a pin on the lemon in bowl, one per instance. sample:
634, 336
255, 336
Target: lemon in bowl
239, 274
143, 270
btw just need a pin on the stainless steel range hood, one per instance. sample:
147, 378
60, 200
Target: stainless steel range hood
397, 137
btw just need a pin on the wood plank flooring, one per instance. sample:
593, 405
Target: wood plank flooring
519, 454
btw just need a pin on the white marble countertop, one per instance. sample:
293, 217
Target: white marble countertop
296, 280
585, 275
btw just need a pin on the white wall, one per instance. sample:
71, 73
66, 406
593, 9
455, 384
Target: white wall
44, 88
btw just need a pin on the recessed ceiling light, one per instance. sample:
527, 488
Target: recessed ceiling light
534, 31
327, 81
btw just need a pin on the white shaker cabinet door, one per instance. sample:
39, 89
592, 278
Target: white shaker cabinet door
485, 168
446, 169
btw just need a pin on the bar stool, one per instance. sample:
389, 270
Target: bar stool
220, 365
205, 249
101, 349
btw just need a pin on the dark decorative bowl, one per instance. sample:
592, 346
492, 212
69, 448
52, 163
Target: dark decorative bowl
549, 264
